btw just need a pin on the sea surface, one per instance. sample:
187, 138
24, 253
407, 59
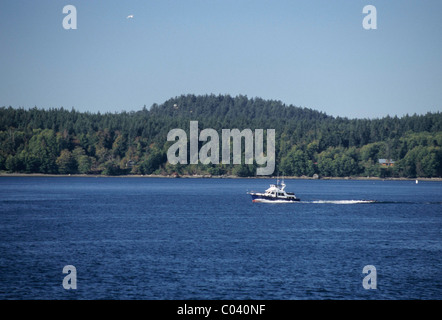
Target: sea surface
159, 238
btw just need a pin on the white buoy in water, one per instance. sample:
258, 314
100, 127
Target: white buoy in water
417, 181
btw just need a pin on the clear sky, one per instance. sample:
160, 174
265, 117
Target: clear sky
309, 53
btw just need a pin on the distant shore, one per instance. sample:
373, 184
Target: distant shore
4, 174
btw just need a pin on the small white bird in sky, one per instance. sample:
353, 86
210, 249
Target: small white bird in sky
131, 16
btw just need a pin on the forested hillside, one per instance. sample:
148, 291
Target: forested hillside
308, 142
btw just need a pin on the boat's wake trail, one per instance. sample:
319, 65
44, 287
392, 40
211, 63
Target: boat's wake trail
342, 201
371, 201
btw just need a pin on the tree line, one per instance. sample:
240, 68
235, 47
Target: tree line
308, 142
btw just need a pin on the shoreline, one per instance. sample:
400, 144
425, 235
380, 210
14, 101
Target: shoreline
2, 174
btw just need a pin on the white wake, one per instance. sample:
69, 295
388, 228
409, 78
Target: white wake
343, 201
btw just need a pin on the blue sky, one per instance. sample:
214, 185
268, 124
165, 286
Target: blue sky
313, 54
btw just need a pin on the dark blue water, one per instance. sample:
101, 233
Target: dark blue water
146, 238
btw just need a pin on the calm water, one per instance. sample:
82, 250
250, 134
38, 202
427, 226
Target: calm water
138, 238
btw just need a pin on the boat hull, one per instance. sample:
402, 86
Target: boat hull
270, 199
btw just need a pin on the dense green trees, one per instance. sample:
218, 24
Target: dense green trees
308, 142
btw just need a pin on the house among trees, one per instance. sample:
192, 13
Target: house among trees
386, 162
130, 164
